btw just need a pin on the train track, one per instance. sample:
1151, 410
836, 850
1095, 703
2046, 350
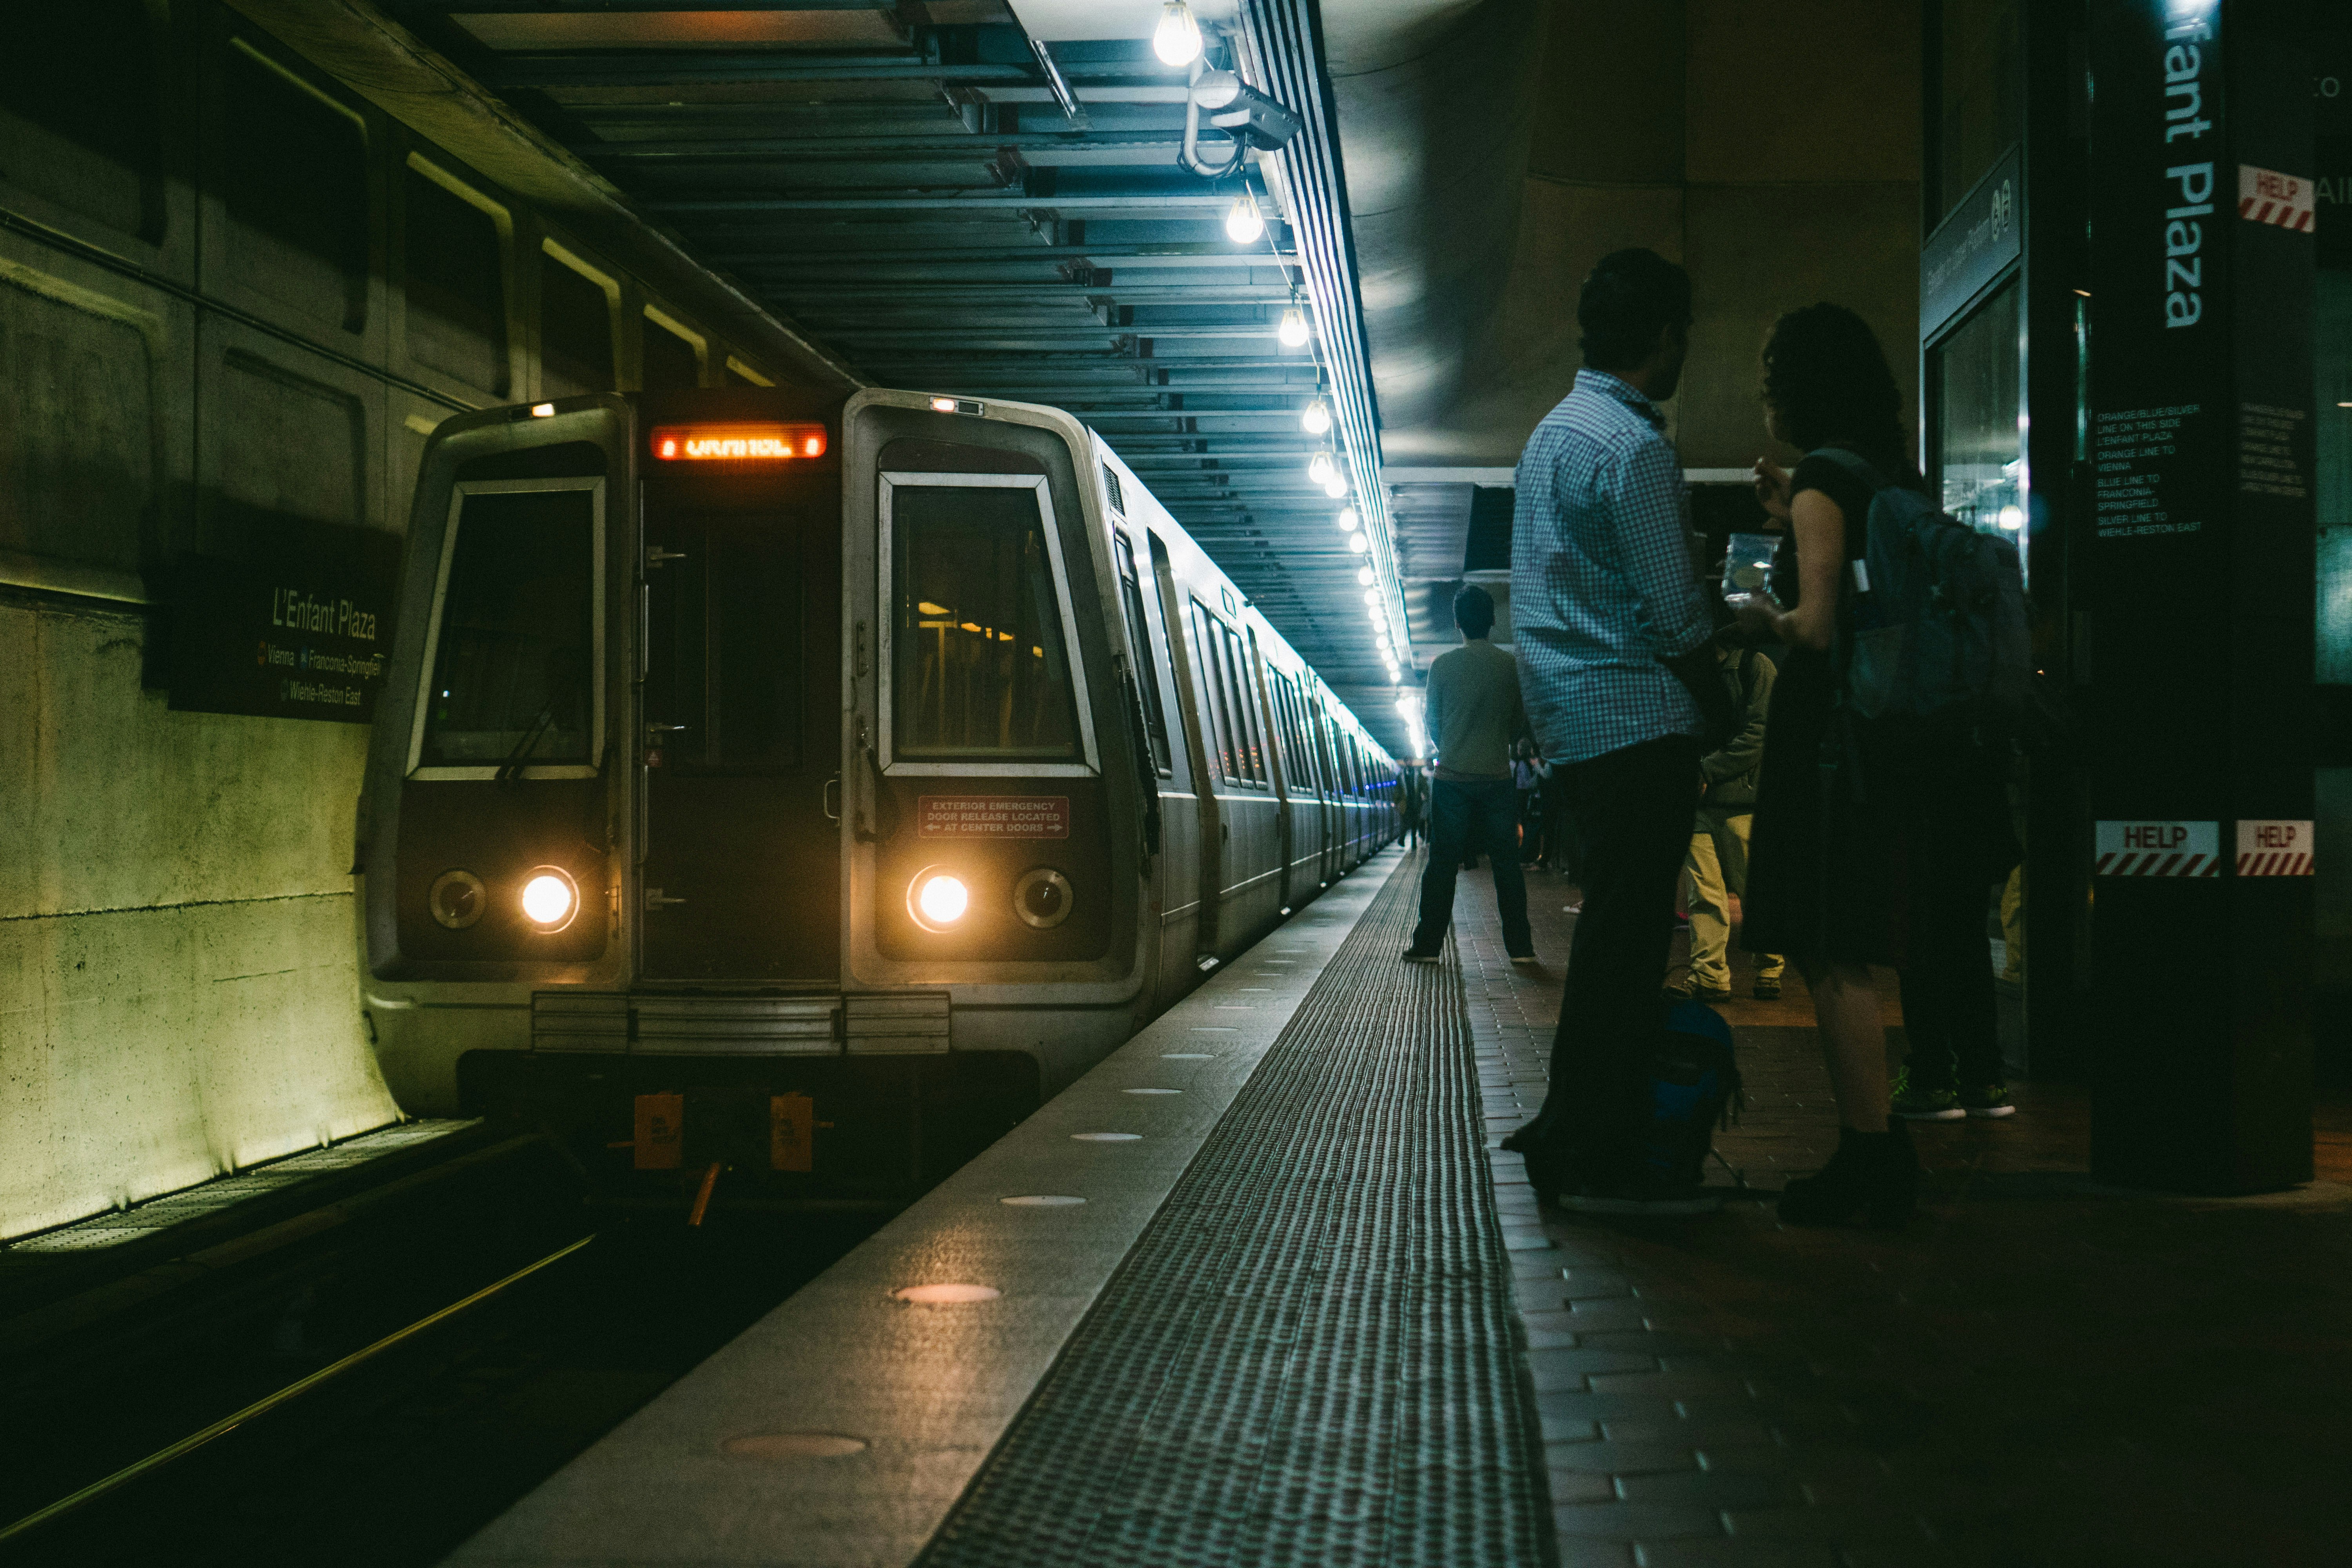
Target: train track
375, 1398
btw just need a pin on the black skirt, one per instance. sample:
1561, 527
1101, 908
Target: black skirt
1824, 879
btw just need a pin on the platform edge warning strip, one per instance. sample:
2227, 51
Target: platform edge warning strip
1310, 1355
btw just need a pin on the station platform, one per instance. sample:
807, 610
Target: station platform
1261, 1290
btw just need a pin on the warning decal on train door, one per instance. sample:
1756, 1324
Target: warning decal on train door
2158, 849
993, 817
2273, 849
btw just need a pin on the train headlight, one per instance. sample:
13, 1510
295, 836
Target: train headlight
1042, 898
937, 899
457, 900
550, 897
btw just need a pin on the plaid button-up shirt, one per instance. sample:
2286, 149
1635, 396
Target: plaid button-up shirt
1602, 582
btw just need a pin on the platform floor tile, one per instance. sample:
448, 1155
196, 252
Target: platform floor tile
2039, 1371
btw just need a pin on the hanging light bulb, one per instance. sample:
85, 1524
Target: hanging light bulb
1372, 599
1335, 486
1319, 469
1293, 329
1242, 224
1317, 419
1363, 576
1358, 543
1177, 39
1347, 520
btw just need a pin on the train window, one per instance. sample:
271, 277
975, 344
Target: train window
1147, 669
575, 330
456, 285
1204, 654
672, 362
1245, 757
980, 667
728, 660
514, 660
1245, 678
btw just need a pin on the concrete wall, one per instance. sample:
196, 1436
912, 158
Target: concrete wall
205, 324
1771, 146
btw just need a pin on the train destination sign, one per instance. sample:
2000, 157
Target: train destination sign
993, 817
737, 443
301, 631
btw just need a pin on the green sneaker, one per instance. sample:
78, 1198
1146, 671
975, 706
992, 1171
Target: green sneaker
1992, 1099
1923, 1104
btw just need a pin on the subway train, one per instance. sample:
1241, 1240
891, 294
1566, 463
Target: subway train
805, 790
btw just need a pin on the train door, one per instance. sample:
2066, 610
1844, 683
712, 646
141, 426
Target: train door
739, 757
1261, 684
1175, 875
1200, 745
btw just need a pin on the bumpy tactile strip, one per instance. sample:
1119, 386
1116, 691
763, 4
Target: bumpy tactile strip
1310, 1355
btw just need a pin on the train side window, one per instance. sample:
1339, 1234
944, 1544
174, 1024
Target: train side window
980, 662
1204, 654
515, 634
1246, 742
1140, 650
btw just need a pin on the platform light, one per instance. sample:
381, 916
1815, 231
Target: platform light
939, 901
1319, 469
1243, 223
1293, 329
2013, 518
1363, 576
1335, 486
1358, 543
542, 411
1177, 39
1347, 520
549, 898
1315, 419
1372, 600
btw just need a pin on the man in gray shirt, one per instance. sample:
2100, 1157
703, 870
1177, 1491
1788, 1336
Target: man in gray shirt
1473, 714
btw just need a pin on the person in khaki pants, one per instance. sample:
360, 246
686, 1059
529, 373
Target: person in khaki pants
1716, 863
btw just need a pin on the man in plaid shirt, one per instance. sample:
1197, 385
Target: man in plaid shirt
1612, 635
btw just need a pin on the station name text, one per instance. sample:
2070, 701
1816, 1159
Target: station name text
2184, 118
297, 611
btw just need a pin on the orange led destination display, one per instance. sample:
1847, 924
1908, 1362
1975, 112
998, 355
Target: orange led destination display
737, 443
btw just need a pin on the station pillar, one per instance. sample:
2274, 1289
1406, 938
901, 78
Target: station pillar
2195, 579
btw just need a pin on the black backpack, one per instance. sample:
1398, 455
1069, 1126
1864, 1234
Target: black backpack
1935, 626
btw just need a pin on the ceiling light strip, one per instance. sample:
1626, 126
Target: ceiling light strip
1276, 44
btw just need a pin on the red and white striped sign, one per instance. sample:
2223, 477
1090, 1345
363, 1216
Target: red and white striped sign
2273, 849
2265, 195
2157, 849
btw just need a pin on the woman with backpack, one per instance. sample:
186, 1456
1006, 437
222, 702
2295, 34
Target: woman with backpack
1842, 810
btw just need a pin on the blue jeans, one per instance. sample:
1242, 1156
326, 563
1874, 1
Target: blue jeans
1467, 817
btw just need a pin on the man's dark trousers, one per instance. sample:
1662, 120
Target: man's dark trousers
1466, 817
1632, 809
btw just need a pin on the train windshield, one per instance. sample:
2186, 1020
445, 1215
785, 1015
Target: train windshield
979, 670
514, 660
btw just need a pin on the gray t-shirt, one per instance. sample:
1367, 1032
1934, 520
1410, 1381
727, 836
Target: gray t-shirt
1473, 710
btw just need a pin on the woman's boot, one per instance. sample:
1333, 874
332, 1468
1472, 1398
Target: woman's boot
1874, 1178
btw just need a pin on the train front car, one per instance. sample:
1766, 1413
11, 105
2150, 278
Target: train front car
699, 798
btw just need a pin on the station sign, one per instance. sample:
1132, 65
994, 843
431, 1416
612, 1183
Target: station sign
2157, 849
2274, 848
299, 628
